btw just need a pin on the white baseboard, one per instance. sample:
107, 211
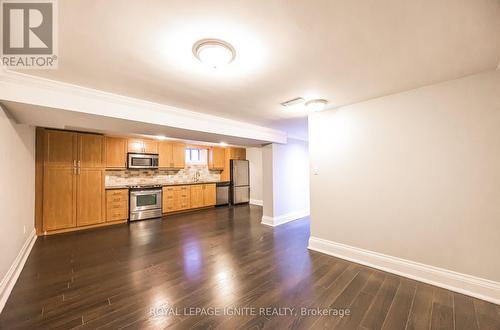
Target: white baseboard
12, 275
256, 202
279, 220
466, 284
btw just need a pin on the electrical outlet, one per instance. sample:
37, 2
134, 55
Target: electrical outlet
315, 170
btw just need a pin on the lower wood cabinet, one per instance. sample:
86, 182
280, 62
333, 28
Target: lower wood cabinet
197, 196
90, 197
116, 205
72, 197
59, 198
176, 198
180, 198
209, 194
168, 199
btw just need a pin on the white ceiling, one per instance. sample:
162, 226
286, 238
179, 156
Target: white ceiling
345, 51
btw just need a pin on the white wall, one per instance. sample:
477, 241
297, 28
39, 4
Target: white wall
254, 157
17, 194
414, 175
286, 181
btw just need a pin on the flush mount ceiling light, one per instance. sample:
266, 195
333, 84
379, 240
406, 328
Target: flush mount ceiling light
292, 102
316, 105
214, 52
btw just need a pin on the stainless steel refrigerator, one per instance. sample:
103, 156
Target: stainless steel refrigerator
240, 181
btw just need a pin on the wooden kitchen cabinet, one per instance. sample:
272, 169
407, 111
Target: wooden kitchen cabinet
73, 180
142, 146
165, 154
197, 196
116, 152
168, 199
91, 151
150, 146
176, 198
182, 198
117, 205
209, 194
90, 196
135, 145
59, 198
217, 158
232, 153
172, 155
238, 153
179, 154
60, 148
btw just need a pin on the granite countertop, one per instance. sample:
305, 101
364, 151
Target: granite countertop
165, 184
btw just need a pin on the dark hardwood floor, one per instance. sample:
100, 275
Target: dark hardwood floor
153, 274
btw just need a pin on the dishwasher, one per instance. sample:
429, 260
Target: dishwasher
222, 193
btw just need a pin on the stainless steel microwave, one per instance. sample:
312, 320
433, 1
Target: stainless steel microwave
142, 160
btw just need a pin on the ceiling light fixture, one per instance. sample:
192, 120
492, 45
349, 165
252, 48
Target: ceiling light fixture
316, 104
223, 144
292, 102
214, 52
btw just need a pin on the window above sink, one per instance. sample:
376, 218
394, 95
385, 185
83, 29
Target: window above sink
196, 156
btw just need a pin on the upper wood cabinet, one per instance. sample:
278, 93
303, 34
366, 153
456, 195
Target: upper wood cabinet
142, 146
172, 154
91, 151
238, 153
209, 194
60, 148
232, 153
116, 152
216, 158
150, 146
179, 154
165, 154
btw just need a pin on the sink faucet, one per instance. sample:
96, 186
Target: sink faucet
196, 176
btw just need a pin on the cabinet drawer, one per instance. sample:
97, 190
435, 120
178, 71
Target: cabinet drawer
116, 204
116, 216
117, 199
115, 193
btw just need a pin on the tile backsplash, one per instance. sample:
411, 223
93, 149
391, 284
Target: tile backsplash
134, 177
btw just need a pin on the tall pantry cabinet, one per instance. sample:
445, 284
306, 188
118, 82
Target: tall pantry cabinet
73, 180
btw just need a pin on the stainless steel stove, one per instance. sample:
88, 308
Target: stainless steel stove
145, 202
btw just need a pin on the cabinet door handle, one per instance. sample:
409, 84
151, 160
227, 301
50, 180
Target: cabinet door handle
78, 167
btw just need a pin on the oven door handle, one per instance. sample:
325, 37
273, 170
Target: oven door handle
142, 193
